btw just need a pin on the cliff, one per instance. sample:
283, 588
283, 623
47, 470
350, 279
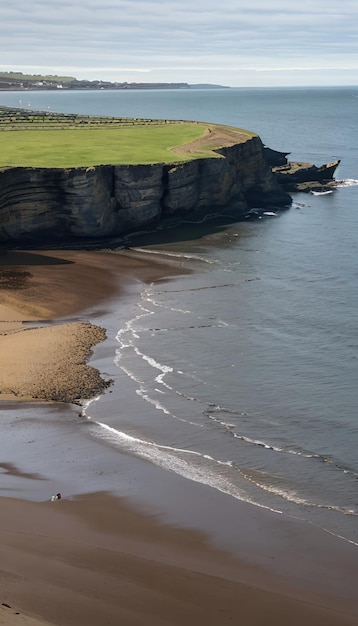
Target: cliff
112, 200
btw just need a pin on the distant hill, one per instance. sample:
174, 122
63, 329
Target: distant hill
19, 77
208, 86
17, 81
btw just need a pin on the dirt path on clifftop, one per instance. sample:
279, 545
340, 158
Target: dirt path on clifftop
213, 138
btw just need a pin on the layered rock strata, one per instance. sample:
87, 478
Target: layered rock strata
51, 204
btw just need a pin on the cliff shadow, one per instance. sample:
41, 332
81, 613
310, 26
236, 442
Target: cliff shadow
189, 229
17, 257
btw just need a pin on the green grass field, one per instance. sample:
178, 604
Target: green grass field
97, 146
42, 139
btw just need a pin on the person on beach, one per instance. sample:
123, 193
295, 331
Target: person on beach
56, 497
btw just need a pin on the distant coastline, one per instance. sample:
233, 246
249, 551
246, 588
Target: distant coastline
17, 81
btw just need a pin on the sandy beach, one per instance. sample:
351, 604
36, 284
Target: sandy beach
47, 362
95, 558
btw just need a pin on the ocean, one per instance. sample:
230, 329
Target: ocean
242, 373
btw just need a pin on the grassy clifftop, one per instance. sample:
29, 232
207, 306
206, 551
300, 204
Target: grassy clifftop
42, 139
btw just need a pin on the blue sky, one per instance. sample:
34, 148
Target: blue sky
248, 43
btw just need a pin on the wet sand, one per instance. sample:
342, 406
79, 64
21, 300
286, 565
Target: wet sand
94, 558
51, 285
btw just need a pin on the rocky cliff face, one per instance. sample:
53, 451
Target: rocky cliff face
103, 201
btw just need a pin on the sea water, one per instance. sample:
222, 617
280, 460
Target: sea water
242, 374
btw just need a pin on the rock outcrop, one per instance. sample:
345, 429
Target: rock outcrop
275, 157
306, 176
296, 176
48, 204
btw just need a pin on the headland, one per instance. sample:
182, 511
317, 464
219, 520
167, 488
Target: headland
90, 177
18, 81
65, 178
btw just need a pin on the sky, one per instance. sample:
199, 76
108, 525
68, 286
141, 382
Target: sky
247, 43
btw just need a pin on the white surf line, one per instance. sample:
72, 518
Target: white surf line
268, 446
347, 182
150, 298
330, 532
128, 329
321, 193
128, 343
181, 467
292, 496
177, 255
307, 455
204, 288
164, 369
87, 404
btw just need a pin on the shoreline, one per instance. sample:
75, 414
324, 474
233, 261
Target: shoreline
97, 556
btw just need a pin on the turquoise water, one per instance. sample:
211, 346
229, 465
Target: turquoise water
243, 374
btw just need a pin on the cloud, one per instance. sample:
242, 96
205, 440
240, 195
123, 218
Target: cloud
146, 35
